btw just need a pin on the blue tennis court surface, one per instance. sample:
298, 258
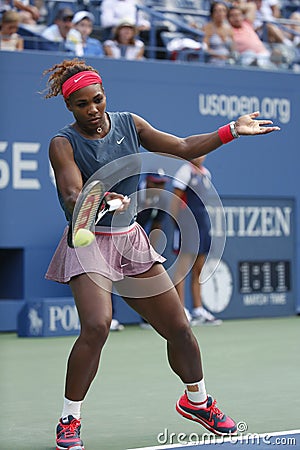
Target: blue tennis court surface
288, 440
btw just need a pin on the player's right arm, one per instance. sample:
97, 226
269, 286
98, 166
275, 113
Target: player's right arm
67, 174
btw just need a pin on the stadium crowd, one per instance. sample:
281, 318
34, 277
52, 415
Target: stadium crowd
261, 33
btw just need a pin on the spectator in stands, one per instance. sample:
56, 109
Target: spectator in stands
62, 30
152, 203
247, 43
83, 22
124, 44
218, 36
115, 325
267, 11
294, 36
115, 11
191, 187
43, 11
9, 38
28, 13
152, 210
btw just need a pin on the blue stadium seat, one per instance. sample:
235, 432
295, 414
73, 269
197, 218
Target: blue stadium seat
188, 4
34, 41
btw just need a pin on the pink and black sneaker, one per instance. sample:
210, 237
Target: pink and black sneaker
68, 434
210, 417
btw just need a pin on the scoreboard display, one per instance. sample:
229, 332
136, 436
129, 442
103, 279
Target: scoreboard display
264, 276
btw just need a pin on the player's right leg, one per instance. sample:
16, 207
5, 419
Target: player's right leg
92, 294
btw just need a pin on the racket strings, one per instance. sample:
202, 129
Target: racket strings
89, 213
89, 209
86, 209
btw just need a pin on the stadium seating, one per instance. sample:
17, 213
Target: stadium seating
34, 41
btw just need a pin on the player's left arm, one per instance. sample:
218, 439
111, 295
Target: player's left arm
197, 145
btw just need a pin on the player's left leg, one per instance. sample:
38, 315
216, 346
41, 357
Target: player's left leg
163, 310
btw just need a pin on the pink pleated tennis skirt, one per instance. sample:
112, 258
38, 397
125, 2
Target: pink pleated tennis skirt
113, 255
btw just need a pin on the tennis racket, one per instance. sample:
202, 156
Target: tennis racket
86, 209
90, 207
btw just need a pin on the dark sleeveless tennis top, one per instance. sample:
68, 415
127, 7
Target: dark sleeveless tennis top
116, 157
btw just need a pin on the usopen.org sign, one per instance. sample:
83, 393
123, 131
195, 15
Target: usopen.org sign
233, 106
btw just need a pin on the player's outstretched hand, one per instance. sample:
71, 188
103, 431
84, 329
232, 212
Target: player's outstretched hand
248, 125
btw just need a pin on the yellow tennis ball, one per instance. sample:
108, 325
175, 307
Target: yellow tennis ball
83, 238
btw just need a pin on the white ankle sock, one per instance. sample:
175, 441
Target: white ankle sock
71, 408
196, 393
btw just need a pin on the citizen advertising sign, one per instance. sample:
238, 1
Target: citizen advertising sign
255, 276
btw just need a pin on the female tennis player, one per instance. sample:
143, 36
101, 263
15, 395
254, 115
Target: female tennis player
95, 139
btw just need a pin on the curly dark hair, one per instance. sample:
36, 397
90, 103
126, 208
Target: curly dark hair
61, 72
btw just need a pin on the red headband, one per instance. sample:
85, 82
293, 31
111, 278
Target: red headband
79, 81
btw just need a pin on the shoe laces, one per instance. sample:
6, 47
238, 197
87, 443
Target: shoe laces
214, 410
70, 430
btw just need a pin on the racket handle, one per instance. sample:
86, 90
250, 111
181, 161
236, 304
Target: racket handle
110, 206
102, 213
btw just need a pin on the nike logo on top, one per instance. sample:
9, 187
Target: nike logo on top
77, 79
120, 140
123, 265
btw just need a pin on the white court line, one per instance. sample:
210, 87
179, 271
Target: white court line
220, 440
